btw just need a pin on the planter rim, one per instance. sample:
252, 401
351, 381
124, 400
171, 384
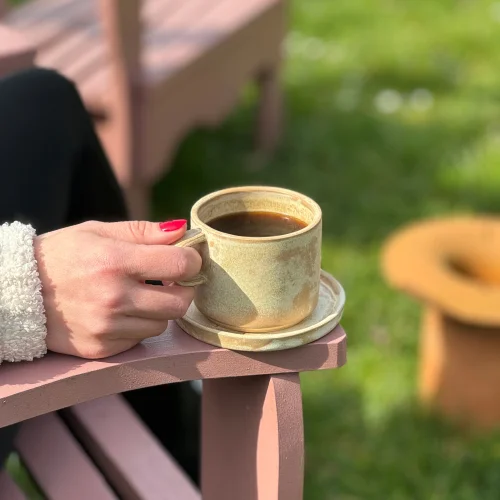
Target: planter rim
423, 260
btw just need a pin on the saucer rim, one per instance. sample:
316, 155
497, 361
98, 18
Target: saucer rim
274, 341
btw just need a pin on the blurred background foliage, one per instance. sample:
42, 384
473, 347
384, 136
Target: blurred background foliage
393, 114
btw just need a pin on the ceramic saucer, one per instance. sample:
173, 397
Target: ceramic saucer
323, 320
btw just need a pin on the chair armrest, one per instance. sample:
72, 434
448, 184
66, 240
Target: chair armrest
16, 52
57, 381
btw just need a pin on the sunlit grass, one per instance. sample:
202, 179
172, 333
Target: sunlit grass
393, 114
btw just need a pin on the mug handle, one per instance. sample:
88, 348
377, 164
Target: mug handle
191, 238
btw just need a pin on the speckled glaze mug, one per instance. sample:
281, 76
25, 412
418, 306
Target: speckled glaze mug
256, 284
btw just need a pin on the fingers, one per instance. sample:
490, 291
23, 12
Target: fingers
134, 328
96, 347
141, 232
160, 303
121, 334
160, 262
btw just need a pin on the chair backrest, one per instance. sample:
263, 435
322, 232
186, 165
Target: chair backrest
16, 52
122, 31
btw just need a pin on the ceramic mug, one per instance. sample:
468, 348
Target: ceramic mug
256, 284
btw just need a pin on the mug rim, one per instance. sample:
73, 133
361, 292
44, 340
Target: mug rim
272, 189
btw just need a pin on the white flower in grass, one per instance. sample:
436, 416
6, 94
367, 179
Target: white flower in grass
309, 47
292, 42
388, 101
493, 133
421, 100
335, 54
314, 48
355, 80
347, 99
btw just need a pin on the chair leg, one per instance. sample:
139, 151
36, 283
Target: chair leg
252, 438
270, 110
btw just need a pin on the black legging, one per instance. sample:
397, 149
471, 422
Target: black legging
54, 173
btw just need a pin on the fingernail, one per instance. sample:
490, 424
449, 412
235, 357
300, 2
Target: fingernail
172, 225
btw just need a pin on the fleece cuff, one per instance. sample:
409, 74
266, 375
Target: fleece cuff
22, 315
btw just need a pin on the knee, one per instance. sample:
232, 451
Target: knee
41, 85
46, 81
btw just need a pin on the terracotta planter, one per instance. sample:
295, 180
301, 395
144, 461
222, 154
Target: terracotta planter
453, 266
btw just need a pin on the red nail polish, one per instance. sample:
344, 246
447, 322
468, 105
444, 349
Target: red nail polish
172, 225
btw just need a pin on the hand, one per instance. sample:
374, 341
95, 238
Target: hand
93, 284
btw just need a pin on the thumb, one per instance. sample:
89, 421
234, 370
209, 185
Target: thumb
142, 232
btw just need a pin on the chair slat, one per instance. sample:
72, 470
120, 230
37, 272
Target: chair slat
80, 56
9, 489
173, 42
47, 22
57, 462
127, 453
175, 33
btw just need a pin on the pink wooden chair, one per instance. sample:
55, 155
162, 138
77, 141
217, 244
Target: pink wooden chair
252, 429
154, 69
16, 52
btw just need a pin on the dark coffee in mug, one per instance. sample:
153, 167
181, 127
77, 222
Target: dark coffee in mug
263, 283
257, 224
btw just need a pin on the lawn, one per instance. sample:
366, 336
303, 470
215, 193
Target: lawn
393, 114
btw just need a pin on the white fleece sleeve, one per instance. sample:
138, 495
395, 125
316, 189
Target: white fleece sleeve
22, 315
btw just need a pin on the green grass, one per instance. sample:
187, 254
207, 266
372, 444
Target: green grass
433, 151
23, 478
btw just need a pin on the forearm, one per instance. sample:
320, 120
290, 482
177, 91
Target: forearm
22, 315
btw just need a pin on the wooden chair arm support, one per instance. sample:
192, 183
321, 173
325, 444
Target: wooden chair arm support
253, 438
122, 28
56, 381
16, 52
121, 22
